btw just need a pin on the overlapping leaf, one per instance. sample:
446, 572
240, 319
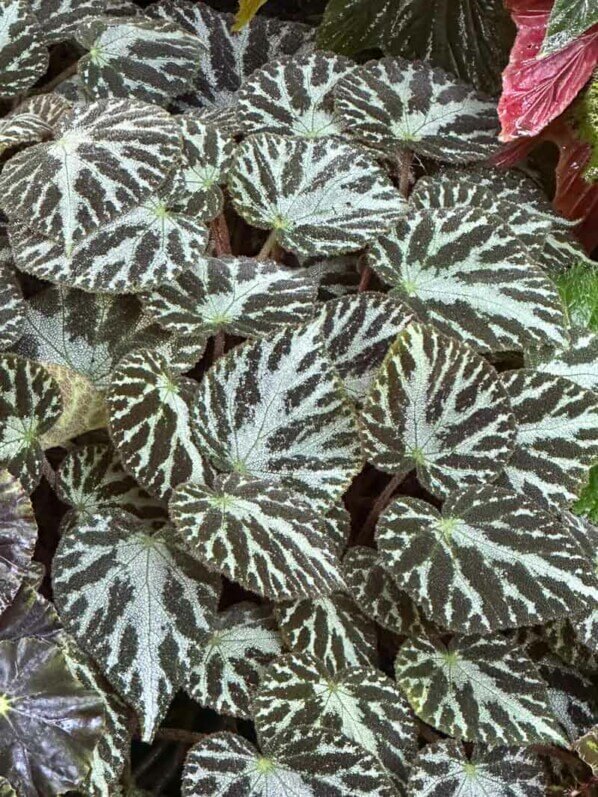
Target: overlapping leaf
492, 560
12, 306
319, 196
30, 404
60, 18
149, 409
437, 406
469, 275
239, 295
30, 614
335, 276
83, 407
478, 689
577, 361
557, 436
23, 53
109, 157
568, 20
231, 659
18, 535
572, 696
274, 409
260, 534
586, 534
394, 104
33, 120
137, 603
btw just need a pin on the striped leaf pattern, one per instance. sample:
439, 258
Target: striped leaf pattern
477, 689
60, 18
109, 157
469, 275
493, 559
23, 52
577, 361
319, 196
137, 604
35, 119
300, 762
230, 660
557, 437
12, 305
30, 405
444, 770
260, 534
18, 535
274, 409
149, 410
293, 96
239, 295
360, 703
393, 104
438, 406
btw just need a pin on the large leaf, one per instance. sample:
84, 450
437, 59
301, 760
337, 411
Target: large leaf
319, 196
444, 770
468, 274
439, 407
577, 361
109, 157
360, 703
239, 295
393, 104
293, 96
143, 58
23, 53
300, 762
18, 535
30, 404
12, 306
137, 603
231, 659
557, 436
274, 409
59, 18
49, 723
493, 559
260, 534
149, 410
477, 689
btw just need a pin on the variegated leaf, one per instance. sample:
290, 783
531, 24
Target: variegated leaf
274, 409
23, 52
144, 58
444, 770
394, 104
335, 276
83, 407
49, 107
478, 689
493, 559
12, 305
239, 295
260, 534
439, 407
468, 274
319, 196
31, 121
357, 331
231, 659
587, 749
585, 624
330, 629
293, 96
557, 436
108, 158
301, 762
18, 535
376, 592
149, 409
577, 361
30, 404
572, 696
60, 18
337, 523
137, 603
360, 703
563, 640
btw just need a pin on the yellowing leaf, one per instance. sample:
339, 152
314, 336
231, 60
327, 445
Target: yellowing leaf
247, 10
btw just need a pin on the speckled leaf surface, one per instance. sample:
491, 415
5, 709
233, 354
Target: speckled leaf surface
23, 52
60, 18
577, 361
12, 304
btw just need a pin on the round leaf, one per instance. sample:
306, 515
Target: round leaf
23, 53
18, 535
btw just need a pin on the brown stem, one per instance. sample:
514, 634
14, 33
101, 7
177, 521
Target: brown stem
557, 752
405, 163
221, 236
380, 504
268, 247
69, 71
149, 759
366, 274
427, 733
180, 735
219, 345
171, 770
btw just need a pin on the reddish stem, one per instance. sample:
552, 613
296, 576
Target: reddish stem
379, 506
221, 236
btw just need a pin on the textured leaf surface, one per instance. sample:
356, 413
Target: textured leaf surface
274, 409
59, 18
23, 53
264, 536
444, 770
557, 437
395, 104
231, 659
137, 603
109, 157
149, 409
239, 295
12, 305
30, 404
30, 614
578, 361
18, 535
293, 96
492, 560
360, 703
34, 119
321, 196
477, 689
571, 694
568, 20
301, 762
51, 723
470, 276
438, 406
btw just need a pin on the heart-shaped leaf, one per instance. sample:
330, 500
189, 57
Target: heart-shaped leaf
23, 52
577, 361
18, 535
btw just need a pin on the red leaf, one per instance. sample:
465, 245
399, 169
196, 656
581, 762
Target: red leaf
538, 89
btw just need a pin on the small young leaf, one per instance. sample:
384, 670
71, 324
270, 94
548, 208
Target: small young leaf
18, 535
23, 52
